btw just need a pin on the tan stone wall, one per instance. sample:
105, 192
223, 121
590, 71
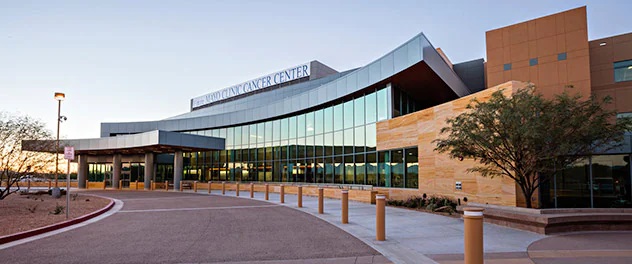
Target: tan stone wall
437, 172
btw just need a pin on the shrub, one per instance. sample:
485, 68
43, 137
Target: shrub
58, 209
430, 203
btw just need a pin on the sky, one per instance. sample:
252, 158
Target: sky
120, 61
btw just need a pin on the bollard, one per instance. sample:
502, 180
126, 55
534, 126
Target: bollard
380, 230
209, 187
282, 193
300, 196
321, 209
87, 184
28, 185
223, 188
345, 207
166, 186
120, 184
136, 187
195, 186
50, 184
237, 190
103, 183
252, 190
473, 235
151, 185
181, 184
267, 191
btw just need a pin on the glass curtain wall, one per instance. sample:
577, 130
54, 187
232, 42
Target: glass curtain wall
336, 144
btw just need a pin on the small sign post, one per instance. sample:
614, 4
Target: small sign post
69, 155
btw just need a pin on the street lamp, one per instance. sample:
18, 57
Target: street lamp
59, 97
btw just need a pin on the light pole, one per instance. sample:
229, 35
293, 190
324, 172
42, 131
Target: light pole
59, 97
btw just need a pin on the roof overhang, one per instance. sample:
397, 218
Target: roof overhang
157, 141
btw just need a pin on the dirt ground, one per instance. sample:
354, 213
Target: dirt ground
24, 212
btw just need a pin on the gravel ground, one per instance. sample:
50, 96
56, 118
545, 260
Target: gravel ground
16, 215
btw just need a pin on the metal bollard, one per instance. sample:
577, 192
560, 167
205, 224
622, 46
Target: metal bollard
151, 185
282, 193
321, 209
223, 188
181, 184
267, 191
136, 185
87, 184
237, 190
300, 196
380, 219
195, 186
50, 184
166, 186
120, 184
103, 183
473, 235
345, 206
252, 190
209, 187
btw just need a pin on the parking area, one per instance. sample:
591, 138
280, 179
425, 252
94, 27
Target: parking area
170, 227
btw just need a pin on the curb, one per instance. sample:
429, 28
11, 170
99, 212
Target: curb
41, 230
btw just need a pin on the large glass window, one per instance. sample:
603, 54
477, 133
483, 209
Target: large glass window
292, 127
301, 125
573, 189
318, 122
285, 128
338, 117
309, 124
348, 114
397, 168
611, 181
358, 111
382, 104
371, 107
412, 168
328, 119
268, 131
623, 71
371, 169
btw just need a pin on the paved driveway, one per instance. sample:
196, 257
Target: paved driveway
171, 227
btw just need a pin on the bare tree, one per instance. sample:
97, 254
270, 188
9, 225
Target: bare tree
15, 162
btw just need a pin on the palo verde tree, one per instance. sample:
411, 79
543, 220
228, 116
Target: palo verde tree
14, 162
529, 138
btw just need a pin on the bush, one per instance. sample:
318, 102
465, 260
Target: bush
430, 203
58, 210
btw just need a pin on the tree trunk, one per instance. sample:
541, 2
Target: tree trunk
527, 197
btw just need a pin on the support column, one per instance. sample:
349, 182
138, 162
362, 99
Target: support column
178, 167
116, 173
149, 170
82, 171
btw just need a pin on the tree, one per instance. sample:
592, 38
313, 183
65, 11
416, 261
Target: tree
16, 163
529, 138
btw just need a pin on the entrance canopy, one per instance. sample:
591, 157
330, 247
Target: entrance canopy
157, 141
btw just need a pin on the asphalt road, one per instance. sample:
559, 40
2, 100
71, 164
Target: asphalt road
172, 227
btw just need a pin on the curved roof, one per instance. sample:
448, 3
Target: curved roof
413, 52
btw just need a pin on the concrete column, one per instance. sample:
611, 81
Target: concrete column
116, 173
178, 167
82, 171
149, 169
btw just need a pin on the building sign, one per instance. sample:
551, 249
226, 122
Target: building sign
279, 77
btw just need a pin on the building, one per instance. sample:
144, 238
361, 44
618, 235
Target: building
374, 125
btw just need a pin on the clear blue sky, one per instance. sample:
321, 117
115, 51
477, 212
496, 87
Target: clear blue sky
144, 60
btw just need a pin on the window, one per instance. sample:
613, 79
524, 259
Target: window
561, 56
507, 66
533, 62
623, 71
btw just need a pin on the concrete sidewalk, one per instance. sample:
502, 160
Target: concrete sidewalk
411, 236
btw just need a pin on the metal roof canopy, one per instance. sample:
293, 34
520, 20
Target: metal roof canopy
157, 141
